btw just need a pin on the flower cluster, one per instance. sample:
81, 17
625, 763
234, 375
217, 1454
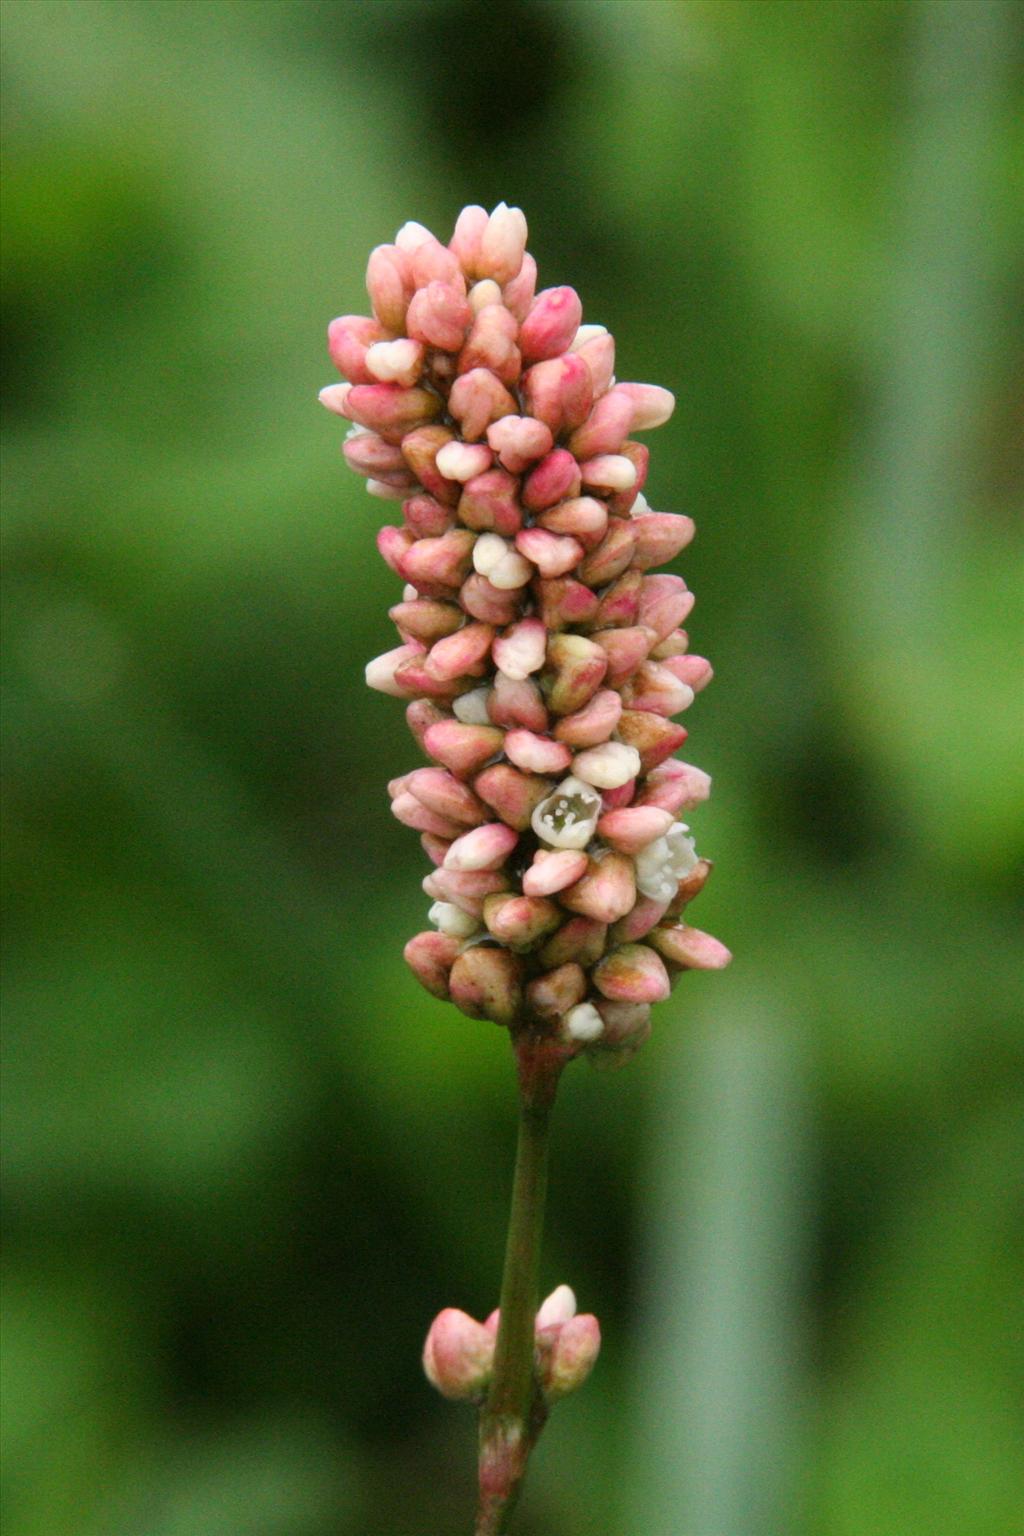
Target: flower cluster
458, 1357
543, 662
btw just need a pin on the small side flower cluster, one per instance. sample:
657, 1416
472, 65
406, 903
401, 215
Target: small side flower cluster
458, 1357
542, 660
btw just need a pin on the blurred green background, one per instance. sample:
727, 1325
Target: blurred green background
247, 1159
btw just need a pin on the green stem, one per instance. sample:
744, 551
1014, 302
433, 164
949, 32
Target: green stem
513, 1415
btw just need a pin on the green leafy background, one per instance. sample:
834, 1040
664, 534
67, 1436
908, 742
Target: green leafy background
246, 1158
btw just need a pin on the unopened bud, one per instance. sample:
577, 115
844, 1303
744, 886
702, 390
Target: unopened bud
458, 1356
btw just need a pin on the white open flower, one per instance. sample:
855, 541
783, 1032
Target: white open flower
662, 864
568, 817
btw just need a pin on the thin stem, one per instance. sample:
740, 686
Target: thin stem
513, 1415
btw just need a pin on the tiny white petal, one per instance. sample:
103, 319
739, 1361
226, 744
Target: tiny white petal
584, 1023
488, 551
450, 919
471, 708
484, 294
412, 235
561, 1304
608, 766
587, 333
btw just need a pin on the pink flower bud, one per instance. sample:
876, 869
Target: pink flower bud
608, 472
689, 886
447, 795
551, 554
578, 667
555, 478
574, 1350
476, 400
517, 295
433, 262
549, 327
675, 786
394, 362
597, 349
592, 725
444, 562
380, 672
462, 748
625, 649
468, 237
521, 649
559, 392
606, 428
466, 888
536, 754
655, 687
553, 870
639, 455
675, 644
563, 601
520, 922
515, 702
420, 715
389, 409
695, 671
369, 454
584, 518
426, 618
490, 604
612, 555
463, 461
412, 813
491, 344
483, 848
552, 995
633, 973
487, 984
690, 948
654, 738
638, 923
334, 398
625, 1024
502, 244
620, 603
348, 339
460, 654
632, 828
606, 892
458, 1357
430, 956
581, 939
411, 236
420, 448
440, 316
490, 503
513, 795
393, 546
389, 284
519, 441
665, 603
659, 537
652, 405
